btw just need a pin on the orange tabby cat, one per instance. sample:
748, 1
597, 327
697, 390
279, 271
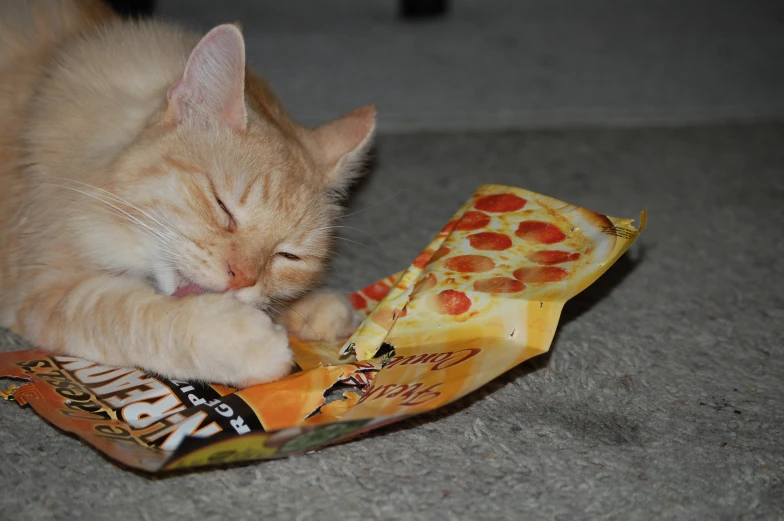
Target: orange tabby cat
155, 197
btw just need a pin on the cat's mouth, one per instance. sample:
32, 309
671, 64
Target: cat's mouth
189, 289
186, 287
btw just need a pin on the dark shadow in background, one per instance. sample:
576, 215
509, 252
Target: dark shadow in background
407, 9
133, 8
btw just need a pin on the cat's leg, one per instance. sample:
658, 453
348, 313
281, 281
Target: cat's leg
321, 315
121, 321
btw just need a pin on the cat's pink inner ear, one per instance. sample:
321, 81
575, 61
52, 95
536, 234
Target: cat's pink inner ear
213, 84
345, 141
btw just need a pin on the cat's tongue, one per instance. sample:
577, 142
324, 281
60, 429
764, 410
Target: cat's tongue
189, 289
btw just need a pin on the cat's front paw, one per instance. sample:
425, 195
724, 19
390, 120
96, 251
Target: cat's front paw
237, 344
322, 315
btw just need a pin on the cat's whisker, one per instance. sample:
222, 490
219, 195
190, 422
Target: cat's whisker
332, 269
177, 235
125, 221
108, 203
123, 201
128, 219
172, 253
382, 201
362, 231
339, 237
164, 258
170, 256
119, 199
277, 302
16, 164
357, 243
126, 214
167, 222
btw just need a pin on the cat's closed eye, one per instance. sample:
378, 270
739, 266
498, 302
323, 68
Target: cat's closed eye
232, 223
289, 256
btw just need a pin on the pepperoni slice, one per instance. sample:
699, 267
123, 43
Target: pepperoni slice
357, 302
540, 231
449, 227
428, 256
500, 203
472, 221
470, 263
452, 302
426, 283
540, 274
384, 317
550, 257
377, 291
489, 241
499, 285
423, 258
443, 251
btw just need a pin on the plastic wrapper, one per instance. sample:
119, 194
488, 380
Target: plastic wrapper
484, 296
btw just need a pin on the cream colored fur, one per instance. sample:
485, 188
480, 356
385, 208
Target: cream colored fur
136, 158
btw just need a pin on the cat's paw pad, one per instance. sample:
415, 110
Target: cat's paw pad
323, 315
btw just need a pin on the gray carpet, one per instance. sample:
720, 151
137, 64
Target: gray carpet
661, 398
514, 64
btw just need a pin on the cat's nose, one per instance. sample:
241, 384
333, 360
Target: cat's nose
238, 279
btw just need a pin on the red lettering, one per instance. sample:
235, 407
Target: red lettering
440, 357
376, 392
469, 353
393, 362
439, 360
407, 390
411, 394
416, 359
423, 396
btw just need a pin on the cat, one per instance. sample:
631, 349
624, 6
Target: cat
157, 202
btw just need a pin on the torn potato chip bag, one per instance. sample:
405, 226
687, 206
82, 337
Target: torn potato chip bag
484, 296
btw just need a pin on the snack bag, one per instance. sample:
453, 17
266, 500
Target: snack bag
485, 295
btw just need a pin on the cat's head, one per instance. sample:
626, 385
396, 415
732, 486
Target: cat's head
226, 199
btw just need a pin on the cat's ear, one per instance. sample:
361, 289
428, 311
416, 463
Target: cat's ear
213, 84
344, 144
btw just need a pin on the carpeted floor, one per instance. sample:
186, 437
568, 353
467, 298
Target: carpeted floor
661, 398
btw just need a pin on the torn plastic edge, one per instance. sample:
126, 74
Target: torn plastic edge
356, 381
9, 393
643, 221
348, 349
339, 389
